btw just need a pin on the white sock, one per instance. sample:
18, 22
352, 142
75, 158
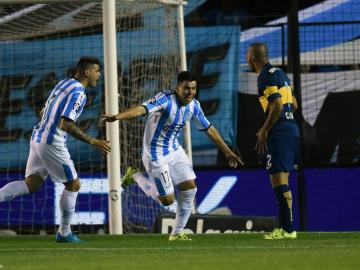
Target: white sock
12, 190
67, 209
147, 185
185, 201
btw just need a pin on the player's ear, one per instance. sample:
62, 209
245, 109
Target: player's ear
87, 73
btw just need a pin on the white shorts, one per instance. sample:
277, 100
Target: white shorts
50, 160
169, 173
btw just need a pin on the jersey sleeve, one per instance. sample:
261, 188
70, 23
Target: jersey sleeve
157, 103
268, 87
74, 105
199, 119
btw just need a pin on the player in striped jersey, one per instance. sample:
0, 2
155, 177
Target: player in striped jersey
279, 136
163, 157
48, 152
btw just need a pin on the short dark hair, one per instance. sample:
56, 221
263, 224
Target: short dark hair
86, 61
186, 76
260, 51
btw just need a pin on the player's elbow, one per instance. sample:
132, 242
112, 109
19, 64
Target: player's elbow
63, 124
295, 107
277, 106
294, 104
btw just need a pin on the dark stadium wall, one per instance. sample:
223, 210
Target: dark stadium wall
334, 138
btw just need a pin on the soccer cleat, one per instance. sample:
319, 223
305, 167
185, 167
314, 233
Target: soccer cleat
128, 177
182, 236
278, 234
292, 235
275, 234
70, 238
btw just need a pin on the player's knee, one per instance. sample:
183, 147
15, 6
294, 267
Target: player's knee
33, 188
186, 185
167, 200
33, 183
73, 186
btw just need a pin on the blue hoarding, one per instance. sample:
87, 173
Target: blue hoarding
332, 201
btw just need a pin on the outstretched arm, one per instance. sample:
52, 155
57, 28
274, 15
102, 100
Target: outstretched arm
232, 158
130, 113
74, 130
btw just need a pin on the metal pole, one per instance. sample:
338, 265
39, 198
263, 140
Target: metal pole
294, 67
111, 105
183, 66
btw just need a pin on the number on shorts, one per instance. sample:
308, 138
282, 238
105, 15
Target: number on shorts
268, 162
166, 177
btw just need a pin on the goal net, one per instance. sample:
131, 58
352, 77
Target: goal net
39, 45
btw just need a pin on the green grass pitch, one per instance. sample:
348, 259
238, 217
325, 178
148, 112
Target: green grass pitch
214, 251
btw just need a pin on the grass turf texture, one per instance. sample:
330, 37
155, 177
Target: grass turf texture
236, 251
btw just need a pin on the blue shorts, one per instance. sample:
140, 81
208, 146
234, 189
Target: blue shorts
282, 154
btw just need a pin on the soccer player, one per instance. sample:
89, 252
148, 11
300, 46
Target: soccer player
164, 159
279, 136
48, 152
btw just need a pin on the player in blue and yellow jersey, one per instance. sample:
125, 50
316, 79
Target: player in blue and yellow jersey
163, 157
279, 136
48, 152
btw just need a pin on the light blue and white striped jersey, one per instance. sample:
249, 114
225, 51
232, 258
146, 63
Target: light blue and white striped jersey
67, 99
165, 121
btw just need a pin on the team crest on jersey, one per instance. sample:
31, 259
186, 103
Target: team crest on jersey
155, 98
76, 106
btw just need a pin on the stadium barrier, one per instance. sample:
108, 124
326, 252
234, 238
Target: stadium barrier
217, 224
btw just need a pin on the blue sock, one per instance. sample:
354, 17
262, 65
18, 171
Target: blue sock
284, 197
279, 196
286, 208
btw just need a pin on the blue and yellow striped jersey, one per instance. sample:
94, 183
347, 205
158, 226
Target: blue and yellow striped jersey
274, 83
